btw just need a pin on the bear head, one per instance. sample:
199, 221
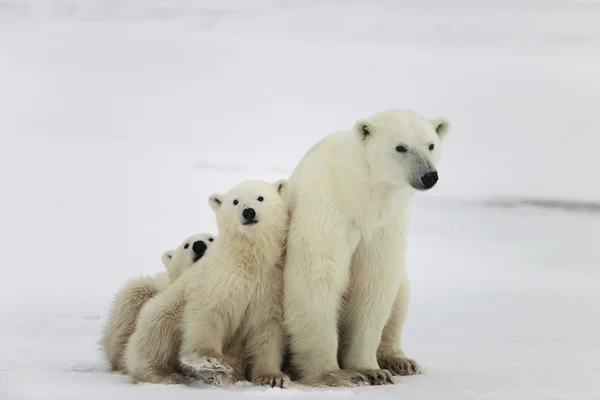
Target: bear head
254, 210
189, 251
402, 147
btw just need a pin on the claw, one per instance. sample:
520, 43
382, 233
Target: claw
400, 365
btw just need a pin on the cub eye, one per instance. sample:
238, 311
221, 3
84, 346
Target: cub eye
235, 202
260, 198
431, 146
211, 239
186, 246
401, 149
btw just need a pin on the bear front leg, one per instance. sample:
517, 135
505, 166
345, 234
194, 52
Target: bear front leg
266, 341
374, 280
390, 354
315, 275
202, 343
266, 348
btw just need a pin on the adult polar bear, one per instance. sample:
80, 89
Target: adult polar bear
344, 268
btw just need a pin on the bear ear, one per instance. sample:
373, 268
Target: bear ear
167, 257
441, 126
280, 185
215, 201
363, 128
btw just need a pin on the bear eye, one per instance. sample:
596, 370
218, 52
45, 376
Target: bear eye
235, 202
211, 239
401, 149
260, 198
186, 246
431, 146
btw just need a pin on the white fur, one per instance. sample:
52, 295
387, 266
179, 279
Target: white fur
225, 313
132, 296
344, 267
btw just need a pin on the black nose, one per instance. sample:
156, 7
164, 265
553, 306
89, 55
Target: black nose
429, 179
199, 247
249, 214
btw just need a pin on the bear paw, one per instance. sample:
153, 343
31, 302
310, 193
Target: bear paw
398, 365
220, 379
378, 376
203, 364
340, 378
273, 380
161, 378
175, 379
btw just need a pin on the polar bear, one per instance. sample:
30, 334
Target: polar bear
225, 314
178, 260
132, 296
344, 267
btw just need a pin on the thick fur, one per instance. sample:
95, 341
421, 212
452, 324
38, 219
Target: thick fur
221, 321
135, 293
345, 284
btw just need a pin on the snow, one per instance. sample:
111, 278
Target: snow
120, 118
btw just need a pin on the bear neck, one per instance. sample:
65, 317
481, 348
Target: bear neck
265, 249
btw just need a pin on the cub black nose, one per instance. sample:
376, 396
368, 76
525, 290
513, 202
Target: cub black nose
429, 179
199, 247
249, 214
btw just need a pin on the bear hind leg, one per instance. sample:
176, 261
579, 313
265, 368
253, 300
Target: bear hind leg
123, 317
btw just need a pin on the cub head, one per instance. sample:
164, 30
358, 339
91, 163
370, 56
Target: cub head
189, 251
252, 209
402, 147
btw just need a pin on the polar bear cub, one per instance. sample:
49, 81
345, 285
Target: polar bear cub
178, 260
224, 314
132, 296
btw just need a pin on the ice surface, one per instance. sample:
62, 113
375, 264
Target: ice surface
118, 119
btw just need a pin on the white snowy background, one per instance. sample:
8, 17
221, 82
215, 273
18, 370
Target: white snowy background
119, 117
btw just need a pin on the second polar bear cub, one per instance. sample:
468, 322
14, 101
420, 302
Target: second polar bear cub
225, 314
135, 293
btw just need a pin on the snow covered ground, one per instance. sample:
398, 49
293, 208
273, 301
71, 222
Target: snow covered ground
118, 119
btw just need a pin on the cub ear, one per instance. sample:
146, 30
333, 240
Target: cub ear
167, 257
363, 128
441, 126
215, 201
280, 185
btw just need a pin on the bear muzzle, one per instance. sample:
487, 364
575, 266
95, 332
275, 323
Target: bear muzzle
249, 216
429, 179
199, 249
425, 181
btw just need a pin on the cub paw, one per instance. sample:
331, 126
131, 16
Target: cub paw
220, 379
160, 378
273, 380
339, 378
203, 364
400, 365
378, 376
175, 379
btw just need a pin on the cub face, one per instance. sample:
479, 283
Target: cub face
402, 147
250, 208
189, 251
